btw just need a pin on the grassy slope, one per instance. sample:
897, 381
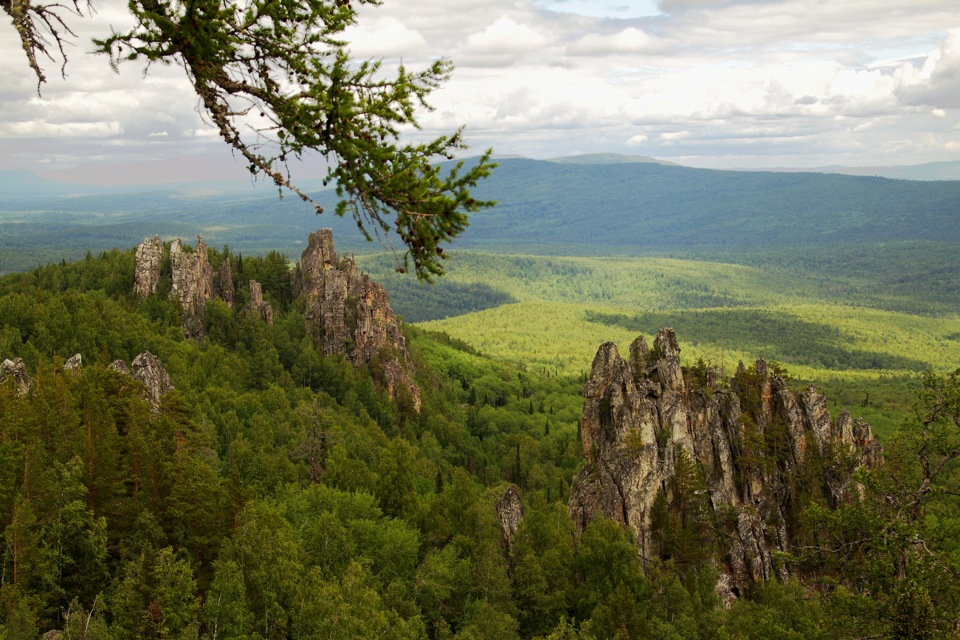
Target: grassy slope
865, 359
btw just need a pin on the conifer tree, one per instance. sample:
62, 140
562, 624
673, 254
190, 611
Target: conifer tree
275, 80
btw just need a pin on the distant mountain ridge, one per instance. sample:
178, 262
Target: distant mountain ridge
646, 206
587, 207
925, 171
609, 158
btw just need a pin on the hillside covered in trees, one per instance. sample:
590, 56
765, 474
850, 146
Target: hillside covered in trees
282, 491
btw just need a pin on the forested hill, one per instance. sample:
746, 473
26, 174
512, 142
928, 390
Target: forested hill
557, 208
278, 493
644, 206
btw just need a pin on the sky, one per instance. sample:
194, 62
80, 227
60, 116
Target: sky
709, 83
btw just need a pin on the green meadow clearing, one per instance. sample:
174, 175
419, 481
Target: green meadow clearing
549, 314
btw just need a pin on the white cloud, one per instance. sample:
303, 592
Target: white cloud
674, 136
937, 81
505, 35
718, 81
42, 129
629, 40
384, 38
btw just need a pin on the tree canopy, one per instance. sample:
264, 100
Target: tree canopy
277, 82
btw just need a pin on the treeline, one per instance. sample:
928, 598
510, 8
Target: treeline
277, 493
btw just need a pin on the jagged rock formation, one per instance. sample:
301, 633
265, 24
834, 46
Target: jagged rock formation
349, 314
644, 423
120, 367
73, 363
16, 370
257, 305
510, 514
150, 372
192, 283
225, 288
147, 273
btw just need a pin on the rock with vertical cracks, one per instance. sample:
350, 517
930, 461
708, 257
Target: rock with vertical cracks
642, 416
510, 514
192, 283
146, 273
349, 314
150, 372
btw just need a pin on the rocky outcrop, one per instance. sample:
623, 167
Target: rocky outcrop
349, 314
73, 363
509, 514
17, 371
257, 305
150, 372
658, 439
120, 367
192, 283
147, 271
225, 288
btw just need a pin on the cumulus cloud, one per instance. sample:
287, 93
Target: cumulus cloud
937, 82
384, 38
505, 35
713, 82
629, 40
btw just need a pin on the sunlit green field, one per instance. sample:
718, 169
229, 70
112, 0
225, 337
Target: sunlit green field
865, 359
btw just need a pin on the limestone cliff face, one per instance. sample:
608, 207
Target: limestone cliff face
192, 282
349, 314
147, 274
748, 443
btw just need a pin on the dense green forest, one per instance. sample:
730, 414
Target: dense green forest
277, 493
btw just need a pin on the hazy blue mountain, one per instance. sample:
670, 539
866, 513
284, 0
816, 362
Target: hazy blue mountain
925, 171
543, 207
645, 206
608, 158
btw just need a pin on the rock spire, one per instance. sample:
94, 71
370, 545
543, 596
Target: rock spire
349, 314
646, 422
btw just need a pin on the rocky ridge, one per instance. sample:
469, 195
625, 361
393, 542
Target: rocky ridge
146, 368
646, 419
347, 313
